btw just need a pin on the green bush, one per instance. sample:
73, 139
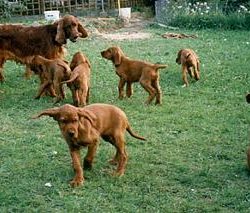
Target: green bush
206, 14
215, 21
8, 9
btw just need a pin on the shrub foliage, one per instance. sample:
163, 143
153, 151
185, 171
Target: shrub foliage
228, 14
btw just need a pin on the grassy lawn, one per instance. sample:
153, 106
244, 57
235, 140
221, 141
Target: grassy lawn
193, 160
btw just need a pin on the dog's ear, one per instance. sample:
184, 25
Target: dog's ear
117, 55
65, 67
178, 59
88, 115
60, 35
52, 112
86, 60
73, 63
82, 30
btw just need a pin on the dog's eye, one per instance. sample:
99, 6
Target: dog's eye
75, 120
63, 120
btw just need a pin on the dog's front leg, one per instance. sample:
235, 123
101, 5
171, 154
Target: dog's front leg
88, 160
129, 89
151, 91
41, 89
120, 88
76, 162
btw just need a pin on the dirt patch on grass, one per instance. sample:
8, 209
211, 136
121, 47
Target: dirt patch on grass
118, 29
126, 36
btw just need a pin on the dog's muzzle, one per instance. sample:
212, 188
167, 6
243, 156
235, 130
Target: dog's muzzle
71, 134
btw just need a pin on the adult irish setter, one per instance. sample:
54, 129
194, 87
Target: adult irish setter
20, 43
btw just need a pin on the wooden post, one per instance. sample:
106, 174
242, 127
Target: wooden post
119, 7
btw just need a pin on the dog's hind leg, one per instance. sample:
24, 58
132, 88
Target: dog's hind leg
184, 75
87, 98
121, 155
42, 89
190, 72
147, 86
157, 87
197, 71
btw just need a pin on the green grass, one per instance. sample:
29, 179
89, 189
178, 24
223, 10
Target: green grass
193, 160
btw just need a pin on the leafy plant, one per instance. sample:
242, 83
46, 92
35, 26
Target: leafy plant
206, 14
8, 8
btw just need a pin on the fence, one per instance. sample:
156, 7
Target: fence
37, 7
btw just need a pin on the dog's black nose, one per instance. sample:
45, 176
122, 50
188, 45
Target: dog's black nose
71, 133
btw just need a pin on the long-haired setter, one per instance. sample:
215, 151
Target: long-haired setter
20, 43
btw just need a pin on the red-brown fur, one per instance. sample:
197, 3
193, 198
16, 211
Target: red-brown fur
131, 71
51, 73
83, 127
79, 82
190, 64
19, 42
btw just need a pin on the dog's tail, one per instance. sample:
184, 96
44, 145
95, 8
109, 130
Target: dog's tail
160, 66
133, 134
72, 78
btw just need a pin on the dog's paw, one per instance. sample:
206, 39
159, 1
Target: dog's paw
121, 97
76, 182
184, 85
118, 173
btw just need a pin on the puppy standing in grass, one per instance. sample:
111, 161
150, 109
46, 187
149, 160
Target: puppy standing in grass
51, 74
82, 127
131, 71
79, 82
190, 64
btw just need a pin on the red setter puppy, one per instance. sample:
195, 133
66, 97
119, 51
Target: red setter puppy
83, 127
51, 74
79, 82
131, 71
20, 43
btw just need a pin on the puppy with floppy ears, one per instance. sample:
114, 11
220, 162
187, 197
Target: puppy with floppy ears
190, 64
83, 127
131, 71
51, 74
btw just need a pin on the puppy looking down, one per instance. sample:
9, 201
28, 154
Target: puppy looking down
51, 74
79, 82
190, 63
131, 71
82, 127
